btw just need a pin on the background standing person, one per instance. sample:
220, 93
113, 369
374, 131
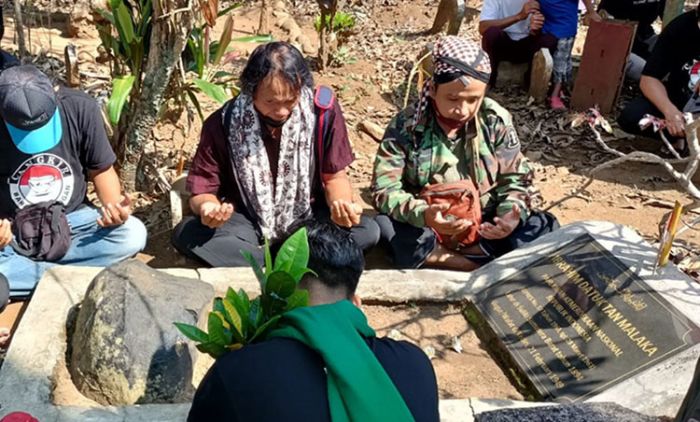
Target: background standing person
561, 21
511, 31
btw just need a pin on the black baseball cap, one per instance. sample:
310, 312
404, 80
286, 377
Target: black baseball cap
28, 107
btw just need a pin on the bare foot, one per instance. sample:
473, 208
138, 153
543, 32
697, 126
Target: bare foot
442, 257
4, 337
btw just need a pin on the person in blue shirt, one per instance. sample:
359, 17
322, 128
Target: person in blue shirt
561, 21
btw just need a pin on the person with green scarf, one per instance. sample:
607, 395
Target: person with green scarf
323, 362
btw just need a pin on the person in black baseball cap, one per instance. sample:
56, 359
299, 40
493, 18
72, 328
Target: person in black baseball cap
28, 107
52, 142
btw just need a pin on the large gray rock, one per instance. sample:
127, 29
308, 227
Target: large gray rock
125, 349
587, 412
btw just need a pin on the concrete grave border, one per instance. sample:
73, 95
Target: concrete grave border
40, 341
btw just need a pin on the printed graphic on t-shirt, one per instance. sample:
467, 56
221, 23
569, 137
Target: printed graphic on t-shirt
43, 177
694, 71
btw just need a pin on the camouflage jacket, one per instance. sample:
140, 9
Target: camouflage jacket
412, 157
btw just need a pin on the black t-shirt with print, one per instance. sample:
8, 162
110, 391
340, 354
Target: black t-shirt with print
676, 57
643, 11
59, 174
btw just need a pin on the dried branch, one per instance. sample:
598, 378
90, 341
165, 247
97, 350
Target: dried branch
683, 178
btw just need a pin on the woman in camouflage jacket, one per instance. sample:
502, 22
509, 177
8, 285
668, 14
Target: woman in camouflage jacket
454, 133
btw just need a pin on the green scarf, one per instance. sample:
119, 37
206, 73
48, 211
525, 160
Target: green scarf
359, 388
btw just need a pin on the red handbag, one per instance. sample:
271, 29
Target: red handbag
464, 200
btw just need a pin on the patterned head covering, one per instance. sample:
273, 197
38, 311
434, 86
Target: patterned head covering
453, 54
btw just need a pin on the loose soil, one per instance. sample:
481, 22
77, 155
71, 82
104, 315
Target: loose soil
468, 373
370, 83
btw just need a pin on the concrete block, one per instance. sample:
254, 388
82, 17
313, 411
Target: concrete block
487, 405
511, 74
456, 411
542, 67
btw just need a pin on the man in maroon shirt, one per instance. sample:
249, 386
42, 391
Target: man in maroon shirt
268, 159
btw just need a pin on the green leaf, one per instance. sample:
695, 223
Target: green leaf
234, 318
195, 101
280, 283
293, 256
263, 329
255, 315
218, 305
241, 303
213, 349
217, 332
298, 299
121, 88
272, 305
123, 22
256, 268
254, 38
192, 332
213, 91
107, 15
146, 12
223, 74
230, 8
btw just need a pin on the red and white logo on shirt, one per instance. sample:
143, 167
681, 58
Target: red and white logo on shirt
694, 75
43, 177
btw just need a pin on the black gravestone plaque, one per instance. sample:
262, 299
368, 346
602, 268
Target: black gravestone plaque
579, 321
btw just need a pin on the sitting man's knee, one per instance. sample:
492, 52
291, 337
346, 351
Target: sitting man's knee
134, 237
371, 231
489, 38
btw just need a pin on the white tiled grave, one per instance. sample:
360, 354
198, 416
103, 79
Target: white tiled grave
39, 345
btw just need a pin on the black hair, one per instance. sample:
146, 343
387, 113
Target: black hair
276, 58
335, 258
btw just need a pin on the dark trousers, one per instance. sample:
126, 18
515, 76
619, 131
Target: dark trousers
409, 246
501, 47
222, 247
636, 109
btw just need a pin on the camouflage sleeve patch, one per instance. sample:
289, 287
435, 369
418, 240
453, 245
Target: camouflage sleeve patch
515, 175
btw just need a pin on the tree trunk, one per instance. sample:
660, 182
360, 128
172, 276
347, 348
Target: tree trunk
323, 38
19, 30
449, 12
328, 10
172, 23
264, 25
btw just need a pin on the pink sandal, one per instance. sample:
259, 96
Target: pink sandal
556, 103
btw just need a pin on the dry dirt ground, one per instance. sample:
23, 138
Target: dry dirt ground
370, 83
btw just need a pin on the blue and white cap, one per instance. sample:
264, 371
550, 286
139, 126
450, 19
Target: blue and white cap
28, 108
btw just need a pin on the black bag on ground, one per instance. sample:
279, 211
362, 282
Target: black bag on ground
41, 231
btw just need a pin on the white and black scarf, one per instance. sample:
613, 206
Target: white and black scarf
277, 206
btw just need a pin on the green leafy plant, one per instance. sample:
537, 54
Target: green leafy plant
342, 56
206, 59
237, 320
343, 25
127, 50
